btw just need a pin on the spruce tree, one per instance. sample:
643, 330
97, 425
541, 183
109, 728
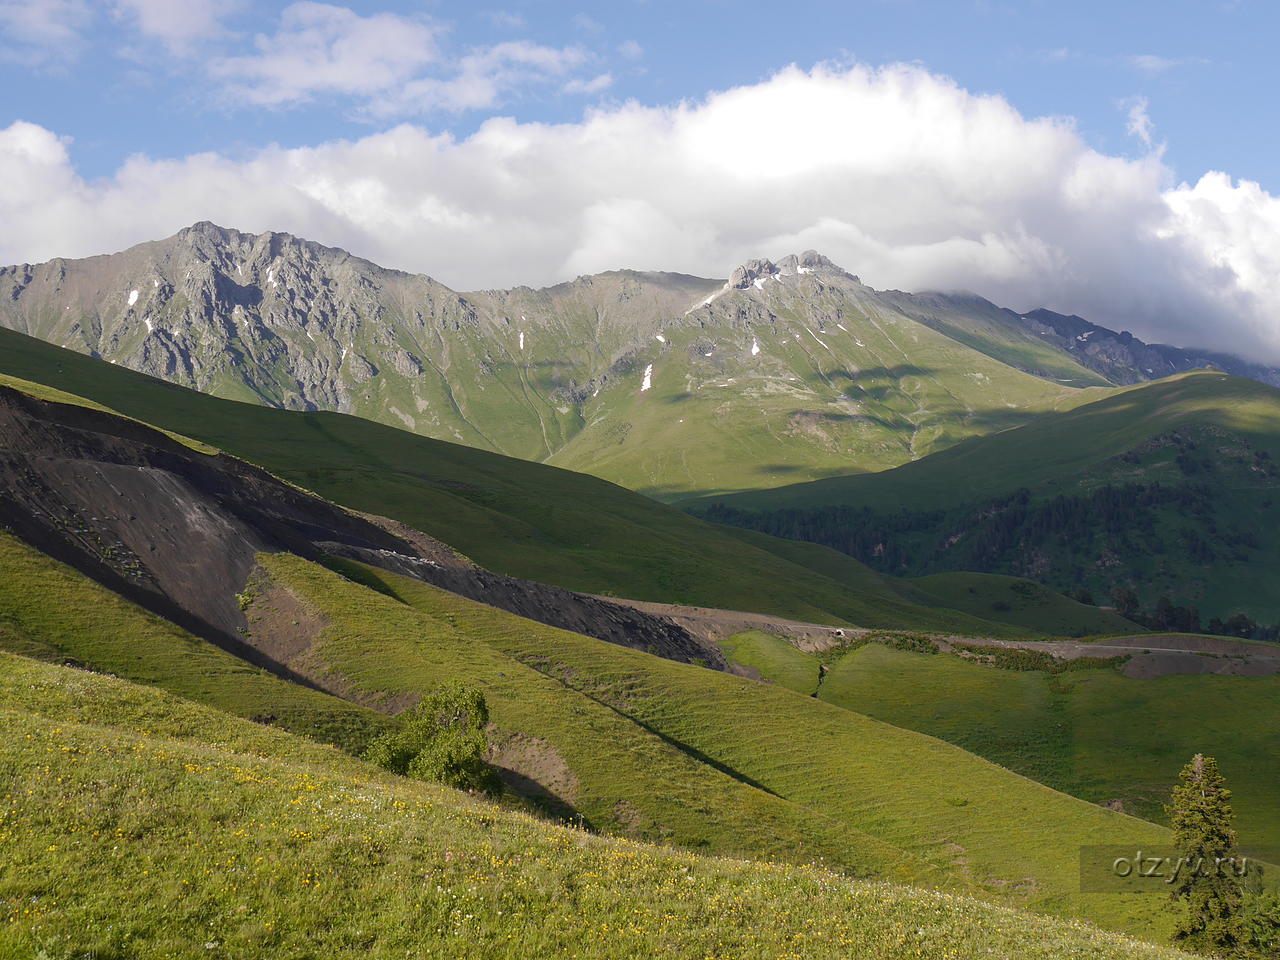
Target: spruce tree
1201, 817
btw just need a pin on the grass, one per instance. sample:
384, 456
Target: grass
1198, 449
617, 773
624, 779
135, 824
515, 517
1094, 734
50, 611
774, 658
1014, 839
1053, 453
1016, 601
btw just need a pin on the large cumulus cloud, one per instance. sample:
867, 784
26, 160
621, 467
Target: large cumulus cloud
898, 174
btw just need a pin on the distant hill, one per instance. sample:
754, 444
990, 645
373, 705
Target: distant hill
1167, 489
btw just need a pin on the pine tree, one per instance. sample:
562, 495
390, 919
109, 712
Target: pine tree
1201, 817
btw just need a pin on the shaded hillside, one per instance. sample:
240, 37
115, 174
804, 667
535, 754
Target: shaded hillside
178, 530
1164, 489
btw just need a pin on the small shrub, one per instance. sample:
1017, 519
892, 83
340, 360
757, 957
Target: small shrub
442, 739
907, 642
1014, 658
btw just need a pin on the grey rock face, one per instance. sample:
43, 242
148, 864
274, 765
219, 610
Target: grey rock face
751, 271
1124, 359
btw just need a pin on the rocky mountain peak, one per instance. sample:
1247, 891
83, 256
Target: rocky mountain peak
809, 262
747, 273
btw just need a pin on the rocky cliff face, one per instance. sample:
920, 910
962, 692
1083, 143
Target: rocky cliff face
1124, 359
267, 317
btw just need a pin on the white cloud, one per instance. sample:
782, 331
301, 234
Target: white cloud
1139, 122
899, 175
179, 26
631, 50
324, 49
482, 79
596, 84
389, 64
42, 32
1151, 64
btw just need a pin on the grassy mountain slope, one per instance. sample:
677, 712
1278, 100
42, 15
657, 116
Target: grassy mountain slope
583, 722
1162, 487
592, 761
790, 375
1095, 734
1013, 838
248, 842
611, 773
997, 332
49, 611
512, 516
1055, 453
1014, 601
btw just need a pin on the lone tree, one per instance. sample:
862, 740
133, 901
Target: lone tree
1201, 818
441, 739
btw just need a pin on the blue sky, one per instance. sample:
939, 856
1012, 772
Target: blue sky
1207, 70
1115, 160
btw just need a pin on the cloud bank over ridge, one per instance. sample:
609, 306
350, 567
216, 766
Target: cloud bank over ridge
898, 174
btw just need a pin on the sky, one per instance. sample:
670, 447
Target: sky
1116, 160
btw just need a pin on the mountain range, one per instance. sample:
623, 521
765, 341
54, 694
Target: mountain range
668, 384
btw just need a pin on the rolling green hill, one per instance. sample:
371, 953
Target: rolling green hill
51, 612
1009, 836
640, 786
139, 825
1164, 488
1092, 733
515, 517
629, 743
